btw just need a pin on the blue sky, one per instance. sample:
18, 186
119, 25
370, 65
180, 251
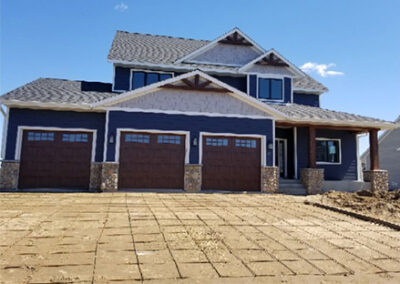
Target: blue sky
70, 40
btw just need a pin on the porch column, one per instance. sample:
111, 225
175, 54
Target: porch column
311, 177
374, 149
378, 178
312, 148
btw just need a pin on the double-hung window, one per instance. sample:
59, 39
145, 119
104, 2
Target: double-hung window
328, 151
141, 78
270, 89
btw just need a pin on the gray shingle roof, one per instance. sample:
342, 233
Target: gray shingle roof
148, 48
309, 113
47, 90
156, 49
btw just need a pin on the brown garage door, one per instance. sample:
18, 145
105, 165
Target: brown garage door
55, 159
231, 163
149, 160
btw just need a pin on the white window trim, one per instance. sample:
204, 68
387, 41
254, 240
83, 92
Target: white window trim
145, 71
286, 157
21, 129
270, 76
263, 138
340, 150
153, 131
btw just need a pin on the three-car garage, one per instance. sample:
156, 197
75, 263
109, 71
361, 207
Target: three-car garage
148, 159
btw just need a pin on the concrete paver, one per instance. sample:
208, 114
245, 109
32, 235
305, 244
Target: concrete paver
128, 237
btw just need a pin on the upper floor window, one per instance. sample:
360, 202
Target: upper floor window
144, 78
328, 151
270, 89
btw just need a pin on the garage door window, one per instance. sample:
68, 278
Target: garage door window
247, 143
216, 142
40, 136
75, 137
168, 139
137, 138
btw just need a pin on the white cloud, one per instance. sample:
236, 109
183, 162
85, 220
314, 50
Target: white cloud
121, 7
321, 69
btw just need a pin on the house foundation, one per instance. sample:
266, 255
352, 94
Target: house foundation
379, 179
269, 179
312, 179
109, 176
9, 174
192, 179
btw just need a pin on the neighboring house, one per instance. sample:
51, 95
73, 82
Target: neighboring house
389, 155
179, 113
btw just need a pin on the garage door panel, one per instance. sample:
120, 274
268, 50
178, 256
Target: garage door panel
231, 163
48, 160
151, 160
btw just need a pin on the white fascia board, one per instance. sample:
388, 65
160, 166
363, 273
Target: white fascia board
154, 87
215, 42
49, 105
322, 123
292, 66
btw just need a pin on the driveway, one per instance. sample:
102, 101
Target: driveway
156, 237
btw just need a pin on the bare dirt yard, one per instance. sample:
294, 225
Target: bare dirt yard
188, 238
381, 205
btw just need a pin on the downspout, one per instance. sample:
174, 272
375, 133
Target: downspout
5, 128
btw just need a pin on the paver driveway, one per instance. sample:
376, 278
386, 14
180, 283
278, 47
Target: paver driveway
204, 237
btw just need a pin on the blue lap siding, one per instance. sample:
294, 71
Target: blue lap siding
194, 124
306, 99
49, 118
347, 170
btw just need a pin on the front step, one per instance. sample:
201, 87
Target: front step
291, 186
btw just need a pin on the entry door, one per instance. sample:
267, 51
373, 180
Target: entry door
281, 156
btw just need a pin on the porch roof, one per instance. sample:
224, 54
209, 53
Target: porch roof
301, 114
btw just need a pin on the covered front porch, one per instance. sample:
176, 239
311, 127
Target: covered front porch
321, 157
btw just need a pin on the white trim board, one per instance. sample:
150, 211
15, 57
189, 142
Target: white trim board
263, 138
5, 133
152, 131
21, 128
340, 150
188, 113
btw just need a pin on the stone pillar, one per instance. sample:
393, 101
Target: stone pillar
95, 176
9, 174
192, 179
109, 176
269, 179
379, 179
312, 179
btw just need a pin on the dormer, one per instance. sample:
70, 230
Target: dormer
270, 77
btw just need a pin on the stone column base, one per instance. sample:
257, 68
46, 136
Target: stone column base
9, 174
192, 179
269, 179
379, 179
109, 176
312, 179
95, 175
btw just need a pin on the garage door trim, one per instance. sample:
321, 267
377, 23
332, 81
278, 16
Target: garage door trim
263, 138
58, 129
154, 131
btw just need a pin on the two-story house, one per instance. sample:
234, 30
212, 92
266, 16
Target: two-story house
184, 114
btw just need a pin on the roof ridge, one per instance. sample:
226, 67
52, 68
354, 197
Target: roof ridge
165, 36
